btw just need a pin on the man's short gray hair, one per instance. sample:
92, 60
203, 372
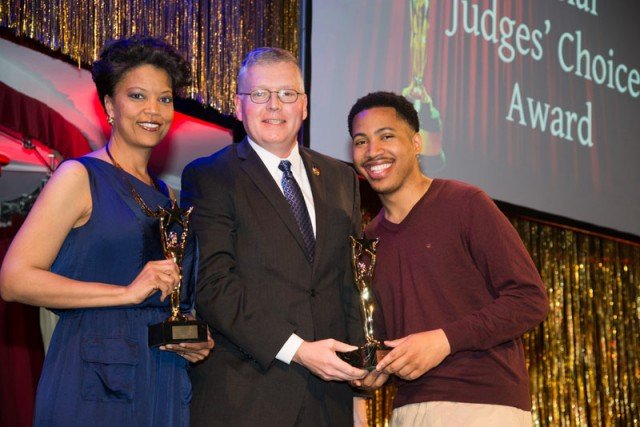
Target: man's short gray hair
267, 56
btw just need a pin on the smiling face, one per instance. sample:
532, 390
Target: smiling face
385, 150
273, 125
142, 106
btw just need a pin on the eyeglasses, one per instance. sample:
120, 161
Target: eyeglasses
262, 96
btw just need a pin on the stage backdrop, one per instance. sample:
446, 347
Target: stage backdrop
535, 101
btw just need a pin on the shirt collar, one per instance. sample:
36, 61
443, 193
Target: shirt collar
272, 161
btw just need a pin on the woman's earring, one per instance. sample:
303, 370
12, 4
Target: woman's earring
110, 120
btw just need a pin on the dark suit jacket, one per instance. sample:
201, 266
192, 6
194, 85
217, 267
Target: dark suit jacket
256, 287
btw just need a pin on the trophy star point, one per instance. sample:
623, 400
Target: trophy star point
368, 245
174, 214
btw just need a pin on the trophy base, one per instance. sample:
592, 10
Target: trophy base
176, 332
366, 356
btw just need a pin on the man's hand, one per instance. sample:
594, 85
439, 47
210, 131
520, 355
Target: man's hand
373, 381
415, 354
320, 358
194, 352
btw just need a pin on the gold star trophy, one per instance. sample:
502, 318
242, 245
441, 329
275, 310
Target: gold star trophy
177, 328
363, 261
432, 154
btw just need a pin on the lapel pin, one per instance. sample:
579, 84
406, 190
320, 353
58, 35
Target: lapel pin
316, 171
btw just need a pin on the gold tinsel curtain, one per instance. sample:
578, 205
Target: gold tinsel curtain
584, 361
213, 35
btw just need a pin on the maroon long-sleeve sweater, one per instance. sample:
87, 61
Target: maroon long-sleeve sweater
456, 263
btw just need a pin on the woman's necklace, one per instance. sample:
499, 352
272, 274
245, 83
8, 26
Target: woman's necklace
136, 196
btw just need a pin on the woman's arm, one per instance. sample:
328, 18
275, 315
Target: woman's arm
63, 204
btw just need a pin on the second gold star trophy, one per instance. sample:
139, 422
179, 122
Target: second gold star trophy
363, 261
177, 328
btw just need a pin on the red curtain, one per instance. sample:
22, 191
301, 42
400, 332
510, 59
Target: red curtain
21, 348
30, 117
21, 353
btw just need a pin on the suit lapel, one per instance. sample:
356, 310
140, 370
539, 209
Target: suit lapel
260, 176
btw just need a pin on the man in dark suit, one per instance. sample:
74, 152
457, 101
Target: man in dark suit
275, 284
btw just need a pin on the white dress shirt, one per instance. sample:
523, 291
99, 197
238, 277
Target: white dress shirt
271, 161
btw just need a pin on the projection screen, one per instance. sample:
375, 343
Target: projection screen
537, 102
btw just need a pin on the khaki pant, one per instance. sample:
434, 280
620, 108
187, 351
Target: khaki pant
458, 414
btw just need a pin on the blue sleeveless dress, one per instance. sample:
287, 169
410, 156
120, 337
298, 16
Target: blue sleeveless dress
99, 370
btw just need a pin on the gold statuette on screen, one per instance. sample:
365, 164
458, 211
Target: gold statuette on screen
431, 131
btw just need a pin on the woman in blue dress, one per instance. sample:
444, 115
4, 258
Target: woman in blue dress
90, 250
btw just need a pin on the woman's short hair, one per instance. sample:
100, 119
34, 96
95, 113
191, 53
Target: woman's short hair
120, 56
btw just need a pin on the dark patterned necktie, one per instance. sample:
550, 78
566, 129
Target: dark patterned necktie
293, 194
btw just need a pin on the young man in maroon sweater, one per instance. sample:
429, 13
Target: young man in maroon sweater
456, 286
